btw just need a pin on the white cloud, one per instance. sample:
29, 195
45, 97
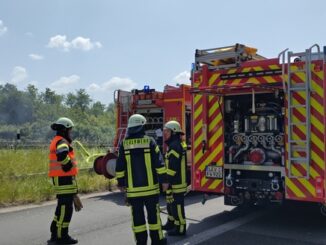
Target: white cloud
82, 43
182, 78
3, 28
65, 84
118, 83
19, 74
93, 87
104, 92
36, 57
113, 84
59, 42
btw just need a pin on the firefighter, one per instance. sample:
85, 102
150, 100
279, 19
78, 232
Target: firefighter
63, 170
140, 168
176, 174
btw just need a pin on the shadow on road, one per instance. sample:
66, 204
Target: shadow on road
120, 199
115, 197
293, 222
221, 218
301, 214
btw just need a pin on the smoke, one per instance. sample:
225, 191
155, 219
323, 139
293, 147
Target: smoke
15, 106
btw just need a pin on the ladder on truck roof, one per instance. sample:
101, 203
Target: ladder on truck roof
123, 99
225, 57
299, 149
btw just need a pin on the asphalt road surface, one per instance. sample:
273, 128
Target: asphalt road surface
106, 220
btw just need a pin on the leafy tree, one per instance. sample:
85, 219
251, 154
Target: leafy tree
32, 91
71, 100
33, 111
83, 100
98, 108
50, 97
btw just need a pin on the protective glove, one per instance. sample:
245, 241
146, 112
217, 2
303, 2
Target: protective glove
165, 187
66, 167
169, 197
77, 203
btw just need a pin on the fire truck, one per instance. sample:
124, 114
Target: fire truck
174, 103
258, 126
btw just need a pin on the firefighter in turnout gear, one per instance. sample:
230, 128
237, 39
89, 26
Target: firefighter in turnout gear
175, 161
63, 170
139, 170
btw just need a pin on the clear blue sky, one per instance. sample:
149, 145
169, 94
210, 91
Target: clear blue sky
103, 45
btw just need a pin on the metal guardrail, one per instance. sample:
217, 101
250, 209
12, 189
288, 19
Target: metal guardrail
38, 144
88, 157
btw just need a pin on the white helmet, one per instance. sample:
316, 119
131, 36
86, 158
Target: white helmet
63, 121
136, 120
174, 126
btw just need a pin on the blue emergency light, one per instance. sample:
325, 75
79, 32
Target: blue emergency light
193, 66
146, 89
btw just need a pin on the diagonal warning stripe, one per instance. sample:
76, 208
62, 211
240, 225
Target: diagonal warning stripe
198, 111
210, 158
203, 181
215, 136
297, 192
213, 79
305, 185
197, 99
198, 126
215, 184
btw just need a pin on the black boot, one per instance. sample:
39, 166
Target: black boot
163, 241
176, 232
169, 225
53, 239
53, 231
67, 240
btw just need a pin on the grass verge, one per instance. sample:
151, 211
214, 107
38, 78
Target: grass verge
23, 177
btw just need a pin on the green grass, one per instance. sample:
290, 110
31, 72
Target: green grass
19, 185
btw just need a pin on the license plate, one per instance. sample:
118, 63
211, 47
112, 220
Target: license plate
215, 172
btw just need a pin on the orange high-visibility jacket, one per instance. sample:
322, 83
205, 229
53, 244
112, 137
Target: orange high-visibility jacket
55, 168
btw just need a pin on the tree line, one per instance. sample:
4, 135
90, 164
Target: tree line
31, 112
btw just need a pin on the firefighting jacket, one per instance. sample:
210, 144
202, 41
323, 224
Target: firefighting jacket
140, 166
176, 164
62, 160
62, 166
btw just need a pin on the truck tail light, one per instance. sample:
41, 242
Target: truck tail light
319, 184
197, 178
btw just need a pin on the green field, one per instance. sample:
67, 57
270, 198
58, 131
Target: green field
23, 175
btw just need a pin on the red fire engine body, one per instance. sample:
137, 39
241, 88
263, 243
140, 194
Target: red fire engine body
258, 131
174, 103
157, 107
256, 125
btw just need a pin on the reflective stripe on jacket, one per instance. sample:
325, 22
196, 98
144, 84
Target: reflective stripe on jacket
176, 165
140, 166
64, 185
55, 166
